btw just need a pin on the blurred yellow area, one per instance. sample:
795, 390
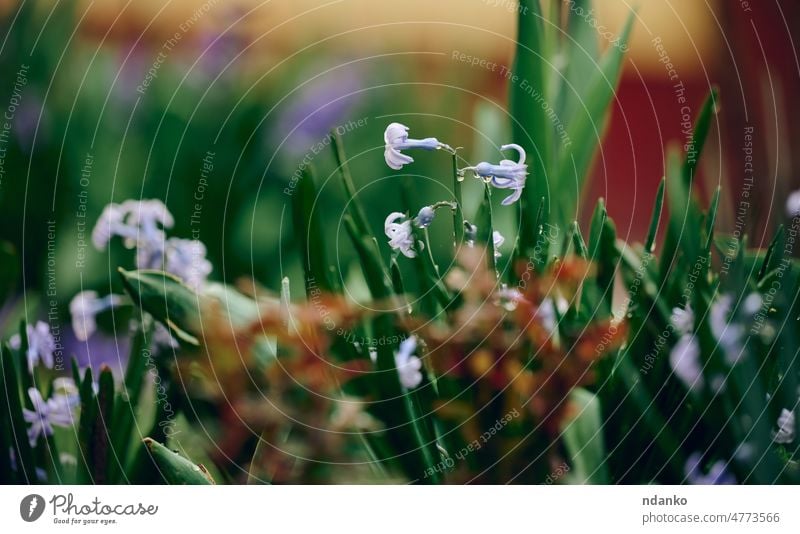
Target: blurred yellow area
484, 27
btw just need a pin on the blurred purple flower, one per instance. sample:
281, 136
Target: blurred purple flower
308, 114
717, 474
29, 115
100, 349
41, 345
217, 52
129, 70
55, 411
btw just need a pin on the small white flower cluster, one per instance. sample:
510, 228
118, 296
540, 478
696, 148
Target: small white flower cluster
41, 345
728, 333
685, 355
141, 225
397, 228
59, 409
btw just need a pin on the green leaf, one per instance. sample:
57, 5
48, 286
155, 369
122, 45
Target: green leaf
485, 226
354, 207
16, 431
166, 298
583, 439
683, 237
174, 468
702, 124
680, 180
584, 129
86, 429
378, 280
775, 254
530, 125
307, 225
652, 233
126, 405
102, 456
577, 241
177, 306
582, 53
712, 218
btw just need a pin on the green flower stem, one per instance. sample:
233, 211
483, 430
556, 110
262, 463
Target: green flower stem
458, 215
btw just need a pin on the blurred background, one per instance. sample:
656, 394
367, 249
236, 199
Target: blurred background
211, 106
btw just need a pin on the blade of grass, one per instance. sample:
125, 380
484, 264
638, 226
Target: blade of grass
26, 465
530, 126
652, 232
355, 208
308, 229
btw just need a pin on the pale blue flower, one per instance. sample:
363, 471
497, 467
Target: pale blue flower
186, 259
41, 345
786, 427
56, 411
727, 333
685, 362
85, 307
717, 474
400, 234
425, 216
396, 139
683, 319
408, 365
141, 224
507, 174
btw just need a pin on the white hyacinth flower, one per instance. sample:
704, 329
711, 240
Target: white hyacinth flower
408, 365
41, 345
400, 234
685, 362
186, 259
727, 333
507, 174
56, 411
683, 319
84, 308
786, 427
396, 139
141, 224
